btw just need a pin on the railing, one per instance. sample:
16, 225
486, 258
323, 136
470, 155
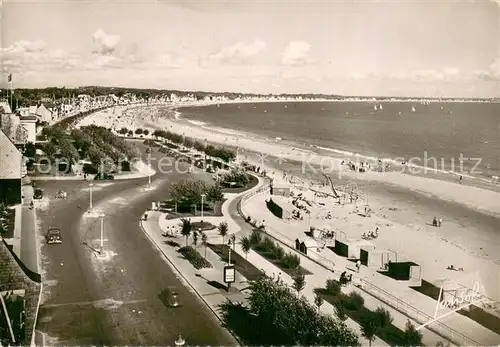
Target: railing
405, 308
284, 239
419, 316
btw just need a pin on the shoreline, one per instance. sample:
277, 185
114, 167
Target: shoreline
403, 204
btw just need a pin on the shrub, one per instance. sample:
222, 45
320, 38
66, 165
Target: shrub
123, 131
333, 287
290, 261
383, 317
279, 252
267, 245
354, 301
138, 131
194, 257
146, 132
255, 238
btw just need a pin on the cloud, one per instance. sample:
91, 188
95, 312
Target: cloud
239, 51
296, 53
490, 74
34, 55
104, 44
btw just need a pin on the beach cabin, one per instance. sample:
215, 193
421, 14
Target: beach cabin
303, 246
350, 248
371, 256
280, 189
404, 271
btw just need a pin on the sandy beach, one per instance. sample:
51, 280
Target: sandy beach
403, 220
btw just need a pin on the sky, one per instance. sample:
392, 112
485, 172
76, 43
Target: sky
400, 48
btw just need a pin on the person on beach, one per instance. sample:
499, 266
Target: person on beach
440, 221
460, 179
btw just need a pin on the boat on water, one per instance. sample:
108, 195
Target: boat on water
265, 111
413, 109
286, 106
375, 108
380, 107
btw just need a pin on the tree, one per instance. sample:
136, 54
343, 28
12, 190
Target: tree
318, 301
246, 246
138, 131
369, 327
195, 237
204, 242
214, 193
145, 132
186, 228
223, 229
299, 281
275, 315
123, 131
412, 337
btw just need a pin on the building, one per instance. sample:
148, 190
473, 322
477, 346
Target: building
20, 288
44, 114
10, 171
28, 123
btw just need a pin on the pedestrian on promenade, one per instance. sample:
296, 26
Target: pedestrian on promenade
440, 220
358, 265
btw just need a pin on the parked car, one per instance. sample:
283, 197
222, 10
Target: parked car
53, 236
103, 176
171, 297
38, 194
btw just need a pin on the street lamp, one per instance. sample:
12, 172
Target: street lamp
229, 253
90, 203
101, 250
202, 201
180, 341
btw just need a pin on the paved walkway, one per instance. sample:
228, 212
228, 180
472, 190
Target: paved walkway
198, 280
29, 242
276, 227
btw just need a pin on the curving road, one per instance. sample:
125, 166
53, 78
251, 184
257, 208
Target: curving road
115, 300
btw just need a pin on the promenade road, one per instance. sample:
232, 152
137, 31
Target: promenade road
115, 300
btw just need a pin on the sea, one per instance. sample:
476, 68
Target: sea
455, 137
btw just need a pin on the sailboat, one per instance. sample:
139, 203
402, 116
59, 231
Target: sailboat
380, 107
375, 108
286, 106
413, 109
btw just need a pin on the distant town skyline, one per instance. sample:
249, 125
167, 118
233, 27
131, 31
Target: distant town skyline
434, 49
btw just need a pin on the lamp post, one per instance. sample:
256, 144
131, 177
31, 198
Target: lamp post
180, 341
202, 201
101, 250
229, 253
90, 202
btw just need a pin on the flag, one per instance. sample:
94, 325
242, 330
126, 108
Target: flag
9, 78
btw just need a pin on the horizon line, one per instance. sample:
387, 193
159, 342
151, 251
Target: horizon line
307, 94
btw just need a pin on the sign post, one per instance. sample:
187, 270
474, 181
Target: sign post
229, 275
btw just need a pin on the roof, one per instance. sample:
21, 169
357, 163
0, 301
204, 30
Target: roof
42, 108
29, 117
6, 107
10, 159
14, 276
